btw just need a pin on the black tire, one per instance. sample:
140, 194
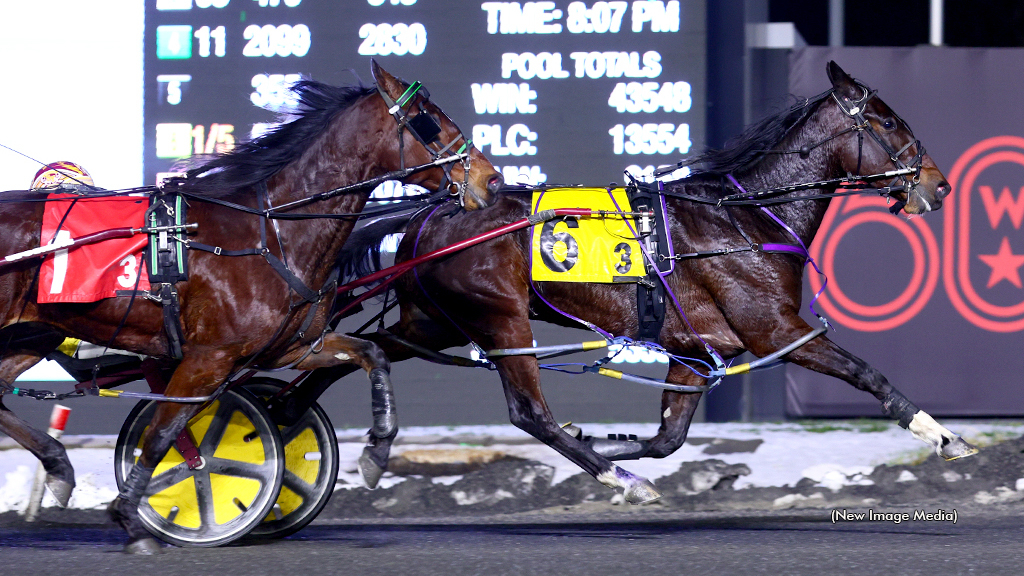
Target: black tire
311, 467
230, 494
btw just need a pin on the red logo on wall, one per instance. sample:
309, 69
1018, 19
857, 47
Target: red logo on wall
844, 214
983, 256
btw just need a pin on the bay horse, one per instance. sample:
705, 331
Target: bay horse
745, 300
241, 311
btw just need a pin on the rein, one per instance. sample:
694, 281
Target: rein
854, 184
769, 196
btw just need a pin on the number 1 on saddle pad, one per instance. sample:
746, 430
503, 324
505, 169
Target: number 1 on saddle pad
95, 271
598, 249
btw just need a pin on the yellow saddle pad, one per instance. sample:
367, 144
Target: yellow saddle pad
597, 249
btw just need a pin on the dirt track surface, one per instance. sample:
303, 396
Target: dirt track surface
507, 485
511, 485
507, 518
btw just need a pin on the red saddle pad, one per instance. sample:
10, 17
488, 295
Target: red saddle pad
94, 271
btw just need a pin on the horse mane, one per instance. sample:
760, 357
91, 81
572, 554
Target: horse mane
256, 160
746, 150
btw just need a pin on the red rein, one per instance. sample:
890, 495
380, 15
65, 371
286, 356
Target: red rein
397, 270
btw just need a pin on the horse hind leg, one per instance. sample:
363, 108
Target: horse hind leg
529, 411
338, 349
677, 409
677, 412
60, 475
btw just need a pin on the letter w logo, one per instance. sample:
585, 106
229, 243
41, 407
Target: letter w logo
1005, 204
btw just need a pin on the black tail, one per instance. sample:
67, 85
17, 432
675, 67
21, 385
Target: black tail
360, 256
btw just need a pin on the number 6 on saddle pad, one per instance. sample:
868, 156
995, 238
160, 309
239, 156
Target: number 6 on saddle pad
602, 249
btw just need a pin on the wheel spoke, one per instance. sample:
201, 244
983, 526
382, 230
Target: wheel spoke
239, 468
169, 478
308, 421
219, 423
204, 496
298, 485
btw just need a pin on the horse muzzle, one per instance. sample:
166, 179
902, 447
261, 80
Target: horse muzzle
921, 197
477, 197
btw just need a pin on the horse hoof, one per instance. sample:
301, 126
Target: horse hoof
61, 489
143, 547
958, 448
369, 469
641, 493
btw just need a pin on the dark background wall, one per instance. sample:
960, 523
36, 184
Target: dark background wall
743, 84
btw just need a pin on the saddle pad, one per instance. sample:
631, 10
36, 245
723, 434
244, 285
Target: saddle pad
598, 249
94, 271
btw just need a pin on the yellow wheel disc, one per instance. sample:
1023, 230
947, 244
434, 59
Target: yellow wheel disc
311, 467
234, 488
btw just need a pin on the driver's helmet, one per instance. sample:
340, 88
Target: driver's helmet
62, 174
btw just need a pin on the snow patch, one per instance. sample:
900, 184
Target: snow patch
480, 497
906, 476
998, 496
835, 476
14, 493
798, 501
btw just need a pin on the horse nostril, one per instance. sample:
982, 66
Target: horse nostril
494, 183
943, 189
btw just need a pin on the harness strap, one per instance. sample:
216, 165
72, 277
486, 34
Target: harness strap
222, 252
329, 285
172, 319
307, 293
187, 447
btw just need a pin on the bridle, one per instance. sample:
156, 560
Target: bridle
854, 109
425, 128
904, 178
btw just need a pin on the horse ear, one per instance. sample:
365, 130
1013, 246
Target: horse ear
391, 85
841, 81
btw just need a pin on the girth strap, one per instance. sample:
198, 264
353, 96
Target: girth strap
654, 234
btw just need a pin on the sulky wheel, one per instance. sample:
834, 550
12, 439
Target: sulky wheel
235, 484
311, 467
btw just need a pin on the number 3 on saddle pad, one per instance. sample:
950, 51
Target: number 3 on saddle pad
598, 249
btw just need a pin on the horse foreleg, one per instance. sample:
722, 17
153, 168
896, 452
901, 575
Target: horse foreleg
60, 475
414, 327
200, 372
340, 349
529, 411
824, 356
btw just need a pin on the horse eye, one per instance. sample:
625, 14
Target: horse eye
889, 124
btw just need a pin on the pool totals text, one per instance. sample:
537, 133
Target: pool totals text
551, 91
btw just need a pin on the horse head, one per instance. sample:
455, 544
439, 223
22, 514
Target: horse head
885, 143
427, 133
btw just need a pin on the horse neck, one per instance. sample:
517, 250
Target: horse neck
349, 151
777, 170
